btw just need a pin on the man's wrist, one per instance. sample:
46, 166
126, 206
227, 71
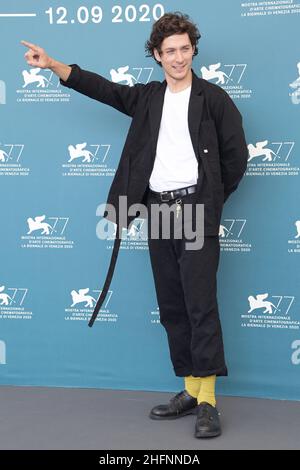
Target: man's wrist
52, 64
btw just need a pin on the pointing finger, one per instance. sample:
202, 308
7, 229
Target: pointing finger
30, 45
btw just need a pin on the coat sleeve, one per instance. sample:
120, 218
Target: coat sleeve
121, 97
232, 145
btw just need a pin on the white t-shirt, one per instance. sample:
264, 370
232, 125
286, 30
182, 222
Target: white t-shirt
175, 165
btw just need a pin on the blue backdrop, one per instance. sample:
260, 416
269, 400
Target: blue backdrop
58, 153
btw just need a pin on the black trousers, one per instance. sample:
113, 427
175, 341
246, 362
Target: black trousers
186, 289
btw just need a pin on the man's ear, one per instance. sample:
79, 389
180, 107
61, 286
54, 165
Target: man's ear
156, 55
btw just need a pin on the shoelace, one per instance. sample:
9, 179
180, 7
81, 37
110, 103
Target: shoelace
205, 413
177, 400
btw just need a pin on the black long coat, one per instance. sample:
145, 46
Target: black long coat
215, 125
216, 131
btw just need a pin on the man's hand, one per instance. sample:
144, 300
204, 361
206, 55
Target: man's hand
36, 56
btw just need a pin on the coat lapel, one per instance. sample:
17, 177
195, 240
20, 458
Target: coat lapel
155, 113
195, 110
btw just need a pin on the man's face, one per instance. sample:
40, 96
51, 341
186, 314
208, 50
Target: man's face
176, 56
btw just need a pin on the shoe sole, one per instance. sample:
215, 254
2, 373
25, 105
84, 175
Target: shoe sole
185, 413
207, 435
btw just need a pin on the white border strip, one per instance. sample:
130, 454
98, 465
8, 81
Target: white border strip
16, 14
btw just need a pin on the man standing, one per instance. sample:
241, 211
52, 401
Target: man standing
185, 146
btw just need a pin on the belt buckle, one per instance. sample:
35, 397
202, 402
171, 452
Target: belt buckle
165, 192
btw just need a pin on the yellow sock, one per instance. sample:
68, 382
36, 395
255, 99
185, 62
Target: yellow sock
207, 390
192, 385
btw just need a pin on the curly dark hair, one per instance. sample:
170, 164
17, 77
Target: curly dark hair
167, 25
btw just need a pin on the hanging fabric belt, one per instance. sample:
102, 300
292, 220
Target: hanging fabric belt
109, 275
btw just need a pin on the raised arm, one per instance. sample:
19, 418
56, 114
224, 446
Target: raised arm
121, 97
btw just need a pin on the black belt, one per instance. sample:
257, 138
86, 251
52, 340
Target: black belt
109, 275
166, 196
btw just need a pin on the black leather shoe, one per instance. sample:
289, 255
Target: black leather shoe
181, 404
207, 423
